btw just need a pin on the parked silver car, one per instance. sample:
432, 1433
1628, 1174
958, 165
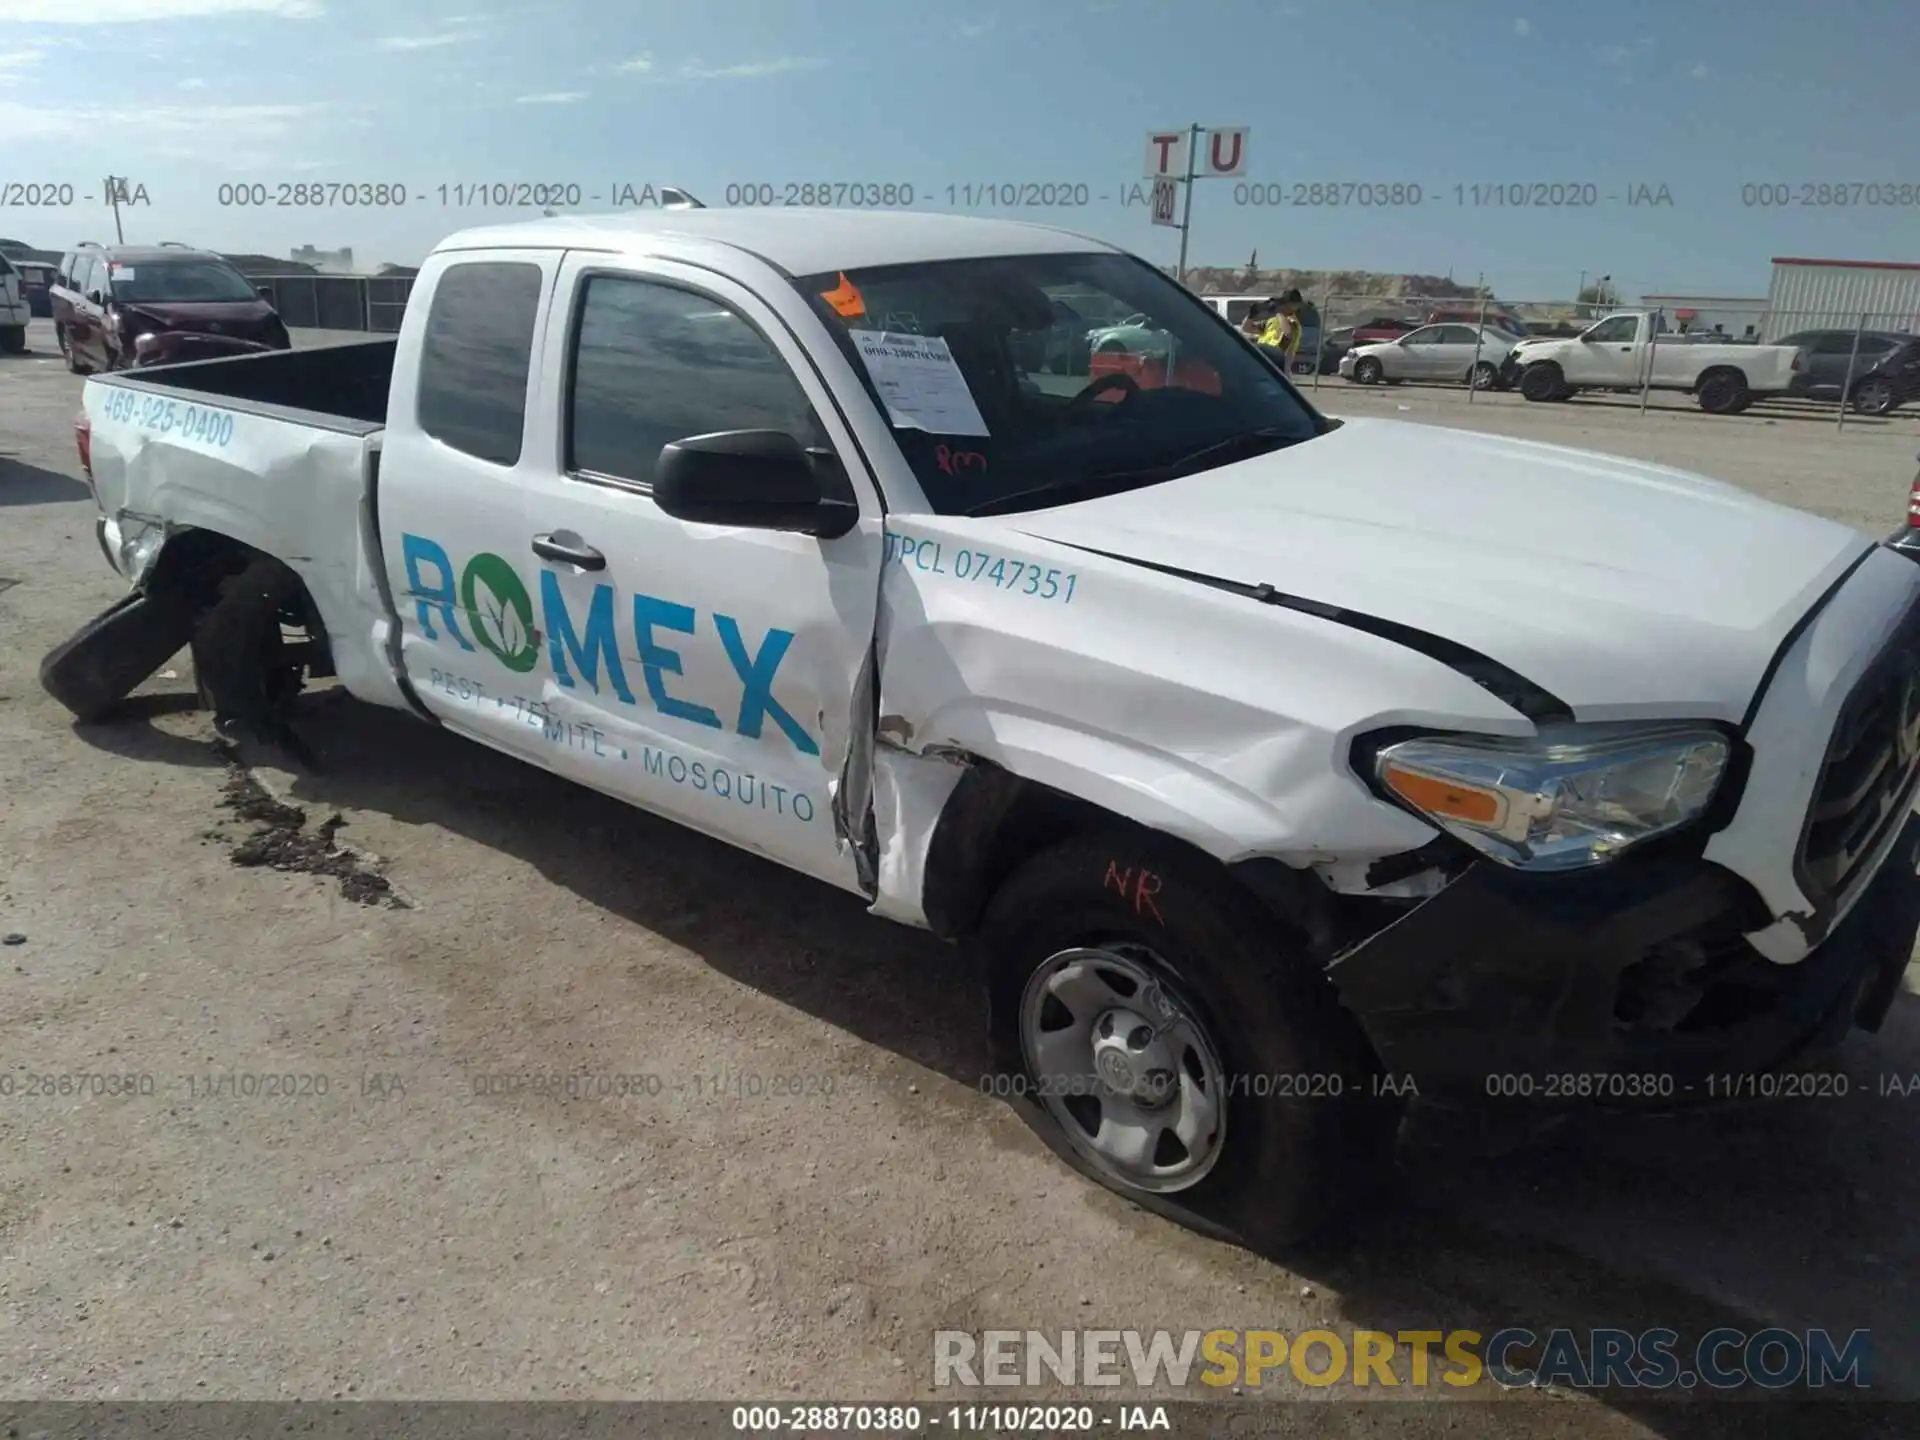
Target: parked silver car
1433, 352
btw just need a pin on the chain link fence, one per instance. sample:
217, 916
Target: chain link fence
1839, 367
373, 303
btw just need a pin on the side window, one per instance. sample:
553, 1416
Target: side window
653, 363
1875, 345
1458, 335
1428, 336
83, 273
477, 356
1619, 329
1834, 344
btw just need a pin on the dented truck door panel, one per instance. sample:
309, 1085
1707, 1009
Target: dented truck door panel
703, 672
452, 497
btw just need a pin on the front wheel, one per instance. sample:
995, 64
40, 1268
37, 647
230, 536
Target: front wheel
1485, 376
1542, 382
1367, 371
1166, 1036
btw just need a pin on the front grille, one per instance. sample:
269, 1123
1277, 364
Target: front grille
1868, 774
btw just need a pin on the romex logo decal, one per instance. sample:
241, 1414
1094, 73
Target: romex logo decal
497, 606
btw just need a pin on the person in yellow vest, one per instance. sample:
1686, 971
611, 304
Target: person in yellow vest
1283, 328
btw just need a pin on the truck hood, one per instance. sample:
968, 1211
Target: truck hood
1627, 590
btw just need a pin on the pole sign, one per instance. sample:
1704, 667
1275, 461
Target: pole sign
1165, 192
1225, 152
1166, 154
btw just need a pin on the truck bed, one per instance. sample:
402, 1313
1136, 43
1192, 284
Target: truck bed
337, 387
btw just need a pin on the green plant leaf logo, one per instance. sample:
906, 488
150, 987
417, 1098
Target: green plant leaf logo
501, 612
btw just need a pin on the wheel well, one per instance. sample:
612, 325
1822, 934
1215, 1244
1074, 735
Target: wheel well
1715, 371
995, 821
194, 564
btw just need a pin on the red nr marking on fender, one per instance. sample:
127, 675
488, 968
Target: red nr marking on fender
1136, 887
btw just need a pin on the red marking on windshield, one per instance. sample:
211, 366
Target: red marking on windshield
954, 461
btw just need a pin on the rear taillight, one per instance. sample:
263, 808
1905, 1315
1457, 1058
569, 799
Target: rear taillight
83, 441
1913, 503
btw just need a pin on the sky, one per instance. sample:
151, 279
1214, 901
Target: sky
1683, 105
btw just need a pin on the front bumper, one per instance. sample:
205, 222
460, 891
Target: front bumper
1631, 987
1662, 977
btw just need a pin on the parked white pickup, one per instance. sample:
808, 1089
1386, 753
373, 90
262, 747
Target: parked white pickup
1622, 352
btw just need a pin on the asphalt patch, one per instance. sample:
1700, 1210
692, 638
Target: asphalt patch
282, 841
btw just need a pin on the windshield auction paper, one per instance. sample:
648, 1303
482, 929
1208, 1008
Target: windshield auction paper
920, 383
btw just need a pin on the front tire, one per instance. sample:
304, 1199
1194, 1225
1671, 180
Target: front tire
1543, 382
1171, 1040
1367, 371
1485, 376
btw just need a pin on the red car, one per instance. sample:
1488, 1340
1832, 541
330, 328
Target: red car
1499, 319
118, 306
1384, 328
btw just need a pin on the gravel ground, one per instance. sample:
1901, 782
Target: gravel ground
388, 1230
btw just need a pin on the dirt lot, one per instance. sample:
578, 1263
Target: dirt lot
392, 1228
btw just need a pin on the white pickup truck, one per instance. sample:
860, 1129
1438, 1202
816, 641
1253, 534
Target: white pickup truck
1279, 768
1624, 350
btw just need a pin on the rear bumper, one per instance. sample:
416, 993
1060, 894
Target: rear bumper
1633, 989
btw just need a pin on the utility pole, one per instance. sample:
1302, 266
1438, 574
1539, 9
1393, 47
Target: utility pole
1186, 205
116, 187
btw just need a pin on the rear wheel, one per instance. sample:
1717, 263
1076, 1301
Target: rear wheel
1873, 397
1723, 392
245, 670
1485, 375
1367, 371
1166, 1038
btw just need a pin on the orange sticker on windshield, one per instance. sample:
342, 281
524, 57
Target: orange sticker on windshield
845, 299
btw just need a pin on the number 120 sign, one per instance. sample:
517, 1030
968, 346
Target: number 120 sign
1164, 192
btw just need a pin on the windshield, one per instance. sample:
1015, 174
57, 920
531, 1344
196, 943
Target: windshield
179, 281
1079, 375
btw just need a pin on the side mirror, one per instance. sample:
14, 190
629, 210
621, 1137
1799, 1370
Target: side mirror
95, 297
265, 292
757, 479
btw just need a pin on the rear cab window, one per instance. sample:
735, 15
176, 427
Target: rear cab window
478, 356
655, 362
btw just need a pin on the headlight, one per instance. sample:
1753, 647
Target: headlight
144, 345
1567, 799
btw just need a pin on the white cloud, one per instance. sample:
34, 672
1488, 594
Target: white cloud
552, 97
748, 70
1523, 27
1701, 70
13, 62
193, 84
151, 126
116, 12
422, 42
639, 65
